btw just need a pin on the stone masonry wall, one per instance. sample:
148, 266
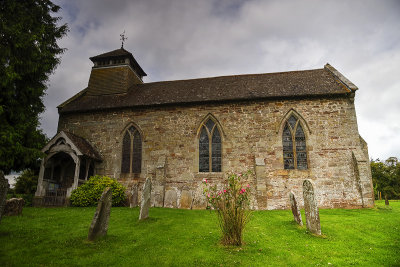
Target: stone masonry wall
251, 139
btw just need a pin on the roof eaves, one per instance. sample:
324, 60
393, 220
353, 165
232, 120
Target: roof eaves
201, 102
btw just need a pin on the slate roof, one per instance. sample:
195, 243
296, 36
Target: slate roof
114, 53
294, 84
83, 146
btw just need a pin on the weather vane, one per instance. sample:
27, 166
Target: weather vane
123, 38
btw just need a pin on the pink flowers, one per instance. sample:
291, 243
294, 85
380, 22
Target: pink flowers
231, 200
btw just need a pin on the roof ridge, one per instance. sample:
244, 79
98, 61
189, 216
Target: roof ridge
237, 75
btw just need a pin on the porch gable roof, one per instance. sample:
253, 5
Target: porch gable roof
80, 145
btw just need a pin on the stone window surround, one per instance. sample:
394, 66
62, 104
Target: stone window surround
210, 131
122, 134
197, 138
306, 130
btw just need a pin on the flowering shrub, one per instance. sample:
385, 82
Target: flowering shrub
231, 203
89, 193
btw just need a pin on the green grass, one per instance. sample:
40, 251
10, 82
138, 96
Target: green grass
171, 237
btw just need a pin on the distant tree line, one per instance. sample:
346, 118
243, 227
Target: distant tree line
386, 178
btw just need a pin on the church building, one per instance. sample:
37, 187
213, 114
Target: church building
286, 127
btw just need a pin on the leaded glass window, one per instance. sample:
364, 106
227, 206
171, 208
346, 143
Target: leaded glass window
294, 145
131, 151
204, 152
210, 147
288, 155
126, 153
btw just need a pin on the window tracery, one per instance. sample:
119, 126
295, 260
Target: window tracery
294, 145
210, 147
131, 151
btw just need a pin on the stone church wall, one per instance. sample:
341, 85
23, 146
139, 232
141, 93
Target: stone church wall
251, 139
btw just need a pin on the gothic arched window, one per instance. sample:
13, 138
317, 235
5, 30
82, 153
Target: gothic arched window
131, 151
209, 147
294, 145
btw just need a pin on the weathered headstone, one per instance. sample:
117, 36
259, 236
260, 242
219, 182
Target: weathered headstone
311, 208
295, 209
14, 207
171, 199
199, 200
99, 225
3, 192
186, 199
145, 203
133, 201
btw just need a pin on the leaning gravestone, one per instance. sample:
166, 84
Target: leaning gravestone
99, 225
295, 209
145, 203
3, 192
311, 208
133, 201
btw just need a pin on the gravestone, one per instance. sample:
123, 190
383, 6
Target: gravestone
14, 207
186, 199
199, 200
99, 225
311, 208
3, 192
145, 203
295, 209
133, 201
171, 199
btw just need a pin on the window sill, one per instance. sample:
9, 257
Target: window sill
208, 175
129, 175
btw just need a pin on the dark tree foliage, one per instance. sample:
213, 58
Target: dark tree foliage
28, 55
386, 177
26, 183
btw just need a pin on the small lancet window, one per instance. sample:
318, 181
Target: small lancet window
131, 151
210, 147
294, 145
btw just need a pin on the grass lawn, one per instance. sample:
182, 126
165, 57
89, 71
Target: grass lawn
171, 237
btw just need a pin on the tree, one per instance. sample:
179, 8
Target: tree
386, 177
28, 55
26, 183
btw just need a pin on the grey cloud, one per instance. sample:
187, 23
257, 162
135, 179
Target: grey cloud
181, 39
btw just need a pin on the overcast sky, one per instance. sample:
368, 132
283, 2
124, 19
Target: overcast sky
192, 39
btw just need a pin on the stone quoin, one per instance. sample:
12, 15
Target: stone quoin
287, 127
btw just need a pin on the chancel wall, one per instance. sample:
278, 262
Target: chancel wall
251, 134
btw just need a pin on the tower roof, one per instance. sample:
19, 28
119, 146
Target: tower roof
119, 54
